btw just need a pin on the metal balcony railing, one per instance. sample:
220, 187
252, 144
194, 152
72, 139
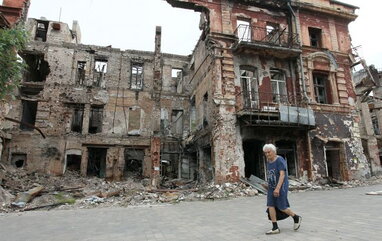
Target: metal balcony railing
269, 36
287, 108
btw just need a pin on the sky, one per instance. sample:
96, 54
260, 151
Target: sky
130, 24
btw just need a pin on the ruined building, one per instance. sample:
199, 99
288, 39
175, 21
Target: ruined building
368, 85
261, 72
13, 11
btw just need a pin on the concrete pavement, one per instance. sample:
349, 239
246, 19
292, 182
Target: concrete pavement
339, 214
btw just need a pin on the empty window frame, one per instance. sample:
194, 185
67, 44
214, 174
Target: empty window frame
41, 30
249, 83
136, 82
278, 84
177, 122
244, 30
28, 118
100, 69
315, 37
81, 70
374, 120
320, 84
95, 119
37, 68
77, 118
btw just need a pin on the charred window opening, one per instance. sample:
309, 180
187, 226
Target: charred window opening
81, 70
29, 115
244, 30
133, 162
77, 118
205, 110
18, 160
95, 119
177, 122
315, 37
134, 121
374, 120
254, 159
73, 163
249, 83
41, 30
136, 82
164, 121
321, 91
278, 84
97, 162
100, 69
192, 114
38, 68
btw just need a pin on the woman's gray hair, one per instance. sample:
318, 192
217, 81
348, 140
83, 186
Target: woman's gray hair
269, 147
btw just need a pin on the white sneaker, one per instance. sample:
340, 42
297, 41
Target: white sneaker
276, 231
297, 225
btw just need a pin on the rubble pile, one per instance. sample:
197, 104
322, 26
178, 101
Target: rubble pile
72, 191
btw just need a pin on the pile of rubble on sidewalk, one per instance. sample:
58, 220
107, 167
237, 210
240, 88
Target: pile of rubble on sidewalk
23, 191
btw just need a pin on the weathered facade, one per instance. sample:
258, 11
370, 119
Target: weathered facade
261, 72
368, 85
279, 72
13, 11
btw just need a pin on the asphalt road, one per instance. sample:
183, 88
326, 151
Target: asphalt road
339, 214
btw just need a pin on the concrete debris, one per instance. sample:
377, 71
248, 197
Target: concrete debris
73, 191
374, 193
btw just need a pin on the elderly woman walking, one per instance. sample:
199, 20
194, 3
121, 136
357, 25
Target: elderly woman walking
277, 197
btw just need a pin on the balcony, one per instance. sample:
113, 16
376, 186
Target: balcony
267, 41
270, 109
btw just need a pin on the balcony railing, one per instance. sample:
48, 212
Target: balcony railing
268, 36
275, 107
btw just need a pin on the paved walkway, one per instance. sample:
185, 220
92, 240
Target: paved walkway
341, 214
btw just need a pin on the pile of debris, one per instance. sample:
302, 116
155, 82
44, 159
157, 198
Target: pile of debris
23, 191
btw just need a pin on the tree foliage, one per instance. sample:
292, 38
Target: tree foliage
12, 41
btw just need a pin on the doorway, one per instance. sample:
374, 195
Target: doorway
254, 159
97, 162
287, 149
333, 160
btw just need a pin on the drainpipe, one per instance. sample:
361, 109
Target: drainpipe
301, 65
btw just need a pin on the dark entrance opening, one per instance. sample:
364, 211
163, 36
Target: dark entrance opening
254, 158
133, 162
333, 160
73, 163
287, 149
207, 170
97, 162
29, 114
18, 159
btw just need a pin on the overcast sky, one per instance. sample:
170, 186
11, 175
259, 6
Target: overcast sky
130, 24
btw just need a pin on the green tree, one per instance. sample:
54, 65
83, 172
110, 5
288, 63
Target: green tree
12, 41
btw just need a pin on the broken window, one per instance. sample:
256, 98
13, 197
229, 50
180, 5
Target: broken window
249, 83
133, 162
244, 30
37, 69
28, 118
19, 160
164, 121
96, 162
320, 88
134, 121
176, 75
273, 34
136, 82
95, 120
77, 118
278, 84
81, 70
374, 120
177, 122
100, 69
73, 162
192, 115
41, 30
315, 37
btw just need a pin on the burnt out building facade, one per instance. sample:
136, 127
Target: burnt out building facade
273, 72
262, 72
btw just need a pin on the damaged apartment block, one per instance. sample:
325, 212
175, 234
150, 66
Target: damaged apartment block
262, 72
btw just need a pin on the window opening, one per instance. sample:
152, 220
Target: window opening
244, 30
100, 69
37, 68
177, 122
97, 162
81, 70
19, 160
95, 120
77, 118
278, 84
29, 115
315, 37
73, 163
320, 88
133, 162
250, 88
41, 31
136, 76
